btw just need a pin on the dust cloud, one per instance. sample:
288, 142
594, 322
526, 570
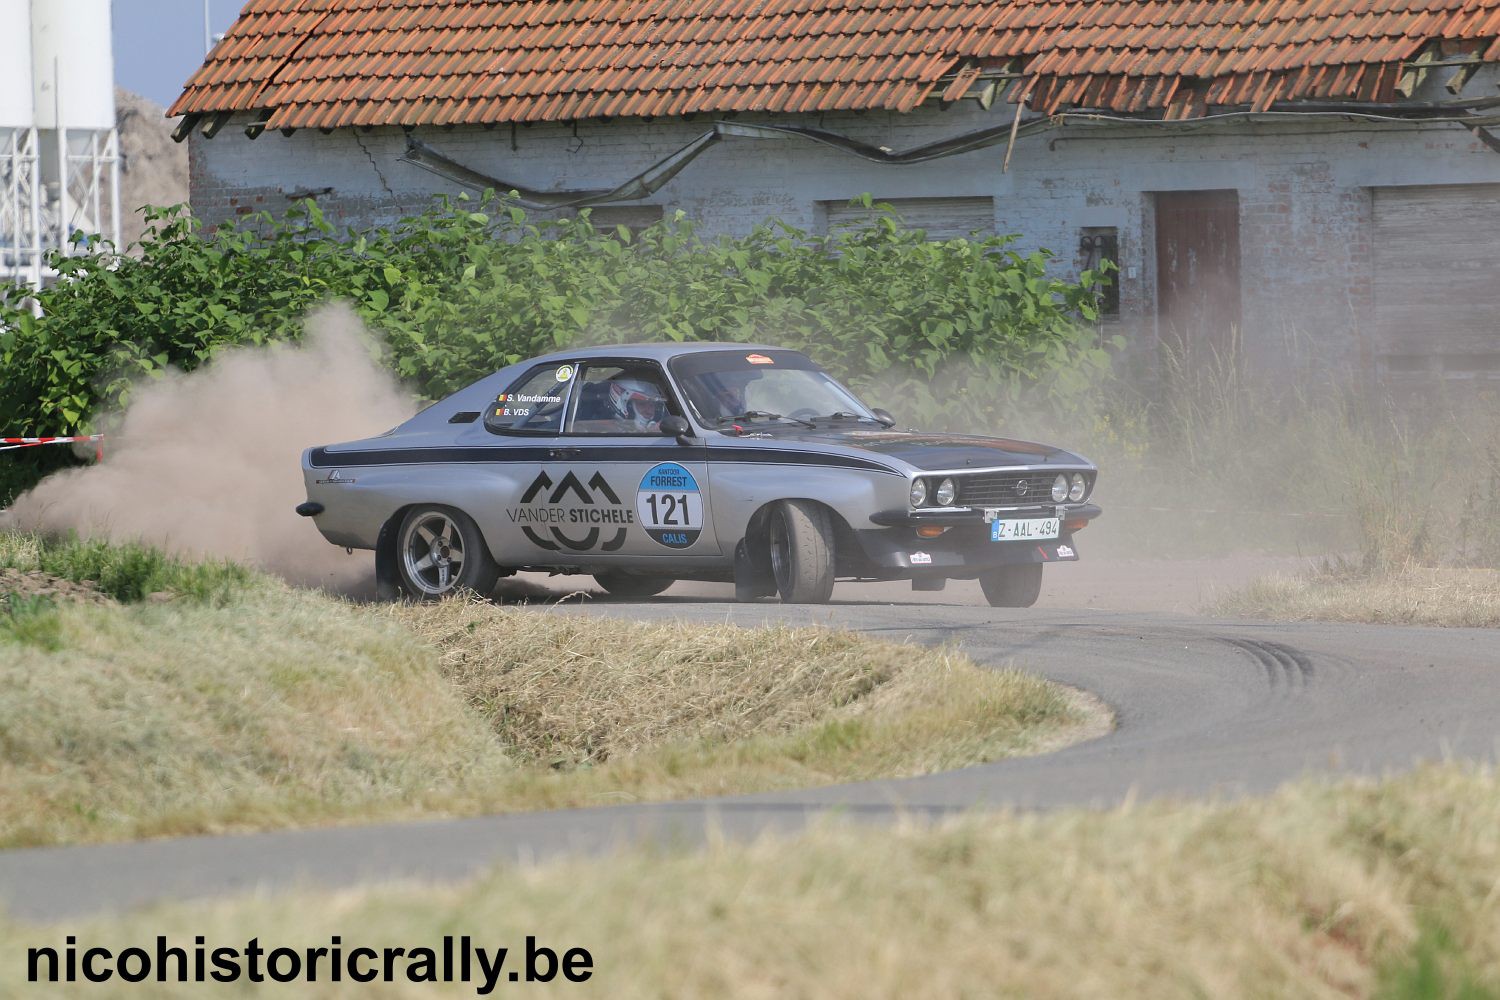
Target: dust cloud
208, 463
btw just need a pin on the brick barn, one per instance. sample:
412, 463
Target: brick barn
1313, 184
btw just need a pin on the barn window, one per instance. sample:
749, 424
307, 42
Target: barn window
634, 217
939, 218
1098, 246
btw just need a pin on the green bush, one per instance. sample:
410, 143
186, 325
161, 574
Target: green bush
468, 287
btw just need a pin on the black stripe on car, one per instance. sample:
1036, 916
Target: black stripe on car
322, 458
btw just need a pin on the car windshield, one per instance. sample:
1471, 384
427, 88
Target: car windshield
725, 386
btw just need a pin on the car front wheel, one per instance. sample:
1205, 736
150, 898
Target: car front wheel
1012, 586
439, 551
800, 536
630, 585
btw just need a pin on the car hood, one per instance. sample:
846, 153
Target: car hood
923, 451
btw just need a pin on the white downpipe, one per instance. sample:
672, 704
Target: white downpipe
64, 201
114, 190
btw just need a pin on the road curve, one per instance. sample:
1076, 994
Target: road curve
1203, 708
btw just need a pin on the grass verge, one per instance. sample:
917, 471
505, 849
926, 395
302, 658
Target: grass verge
125, 572
248, 704
1321, 890
1409, 596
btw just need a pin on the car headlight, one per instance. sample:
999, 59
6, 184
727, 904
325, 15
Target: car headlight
1079, 488
946, 493
1060, 489
918, 492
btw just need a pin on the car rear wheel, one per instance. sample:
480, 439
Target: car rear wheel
799, 534
439, 551
1012, 586
630, 585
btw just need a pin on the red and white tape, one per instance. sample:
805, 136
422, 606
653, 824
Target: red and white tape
11, 444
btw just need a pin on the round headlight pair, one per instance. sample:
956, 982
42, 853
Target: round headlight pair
1069, 488
943, 496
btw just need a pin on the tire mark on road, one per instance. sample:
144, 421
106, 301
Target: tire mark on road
1285, 666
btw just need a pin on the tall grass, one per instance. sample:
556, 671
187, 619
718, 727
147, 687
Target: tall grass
1208, 457
127, 572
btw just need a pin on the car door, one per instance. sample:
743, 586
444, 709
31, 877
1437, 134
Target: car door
522, 428
624, 491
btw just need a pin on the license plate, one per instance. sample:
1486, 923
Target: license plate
1031, 529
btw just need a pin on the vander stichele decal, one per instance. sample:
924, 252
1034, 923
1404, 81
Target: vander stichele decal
600, 506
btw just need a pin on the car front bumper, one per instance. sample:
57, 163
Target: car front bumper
896, 551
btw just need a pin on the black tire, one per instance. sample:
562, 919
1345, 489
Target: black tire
439, 552
619, 584
799, 536
387, 576
1012, 586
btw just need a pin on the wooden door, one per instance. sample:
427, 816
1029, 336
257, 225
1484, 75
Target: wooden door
1198, 273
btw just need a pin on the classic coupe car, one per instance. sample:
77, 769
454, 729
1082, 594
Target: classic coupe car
646, 464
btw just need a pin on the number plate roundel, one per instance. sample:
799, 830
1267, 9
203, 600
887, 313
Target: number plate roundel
669, 506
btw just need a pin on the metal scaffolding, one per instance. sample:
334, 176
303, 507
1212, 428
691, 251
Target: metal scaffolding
21, 254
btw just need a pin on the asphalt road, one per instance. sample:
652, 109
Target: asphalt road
1203, 708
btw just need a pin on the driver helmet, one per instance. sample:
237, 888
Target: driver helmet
635, 401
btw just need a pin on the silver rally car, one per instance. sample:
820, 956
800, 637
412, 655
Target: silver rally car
646, 464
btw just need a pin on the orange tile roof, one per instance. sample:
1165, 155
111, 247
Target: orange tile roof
330, 63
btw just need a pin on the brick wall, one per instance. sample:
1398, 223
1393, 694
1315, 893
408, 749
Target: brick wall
1304, 190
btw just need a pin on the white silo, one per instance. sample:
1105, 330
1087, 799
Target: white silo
72, 65
20, 185
16, 107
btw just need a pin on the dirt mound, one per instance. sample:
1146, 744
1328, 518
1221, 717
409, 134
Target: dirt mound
35, 583
153, 168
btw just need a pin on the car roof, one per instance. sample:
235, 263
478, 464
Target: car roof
650, 352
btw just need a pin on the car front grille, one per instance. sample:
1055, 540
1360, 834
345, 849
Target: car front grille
1007, 489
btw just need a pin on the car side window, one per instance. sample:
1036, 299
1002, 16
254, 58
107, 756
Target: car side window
620, 398
535, 404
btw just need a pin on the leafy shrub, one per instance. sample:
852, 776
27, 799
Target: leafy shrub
468, 287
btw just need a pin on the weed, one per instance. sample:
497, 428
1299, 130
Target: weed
1435, 968
31, 620
127, 572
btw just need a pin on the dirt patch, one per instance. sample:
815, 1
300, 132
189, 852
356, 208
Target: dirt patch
35, 583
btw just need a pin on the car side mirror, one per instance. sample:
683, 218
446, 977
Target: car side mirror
679, 428
884, 417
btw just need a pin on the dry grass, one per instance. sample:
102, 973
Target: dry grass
270, 707
1410, 596
1355, 889
567, 690
280, 709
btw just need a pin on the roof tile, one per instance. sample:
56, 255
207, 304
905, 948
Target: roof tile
327, 63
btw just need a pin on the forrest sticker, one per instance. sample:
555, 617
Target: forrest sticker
669, 506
